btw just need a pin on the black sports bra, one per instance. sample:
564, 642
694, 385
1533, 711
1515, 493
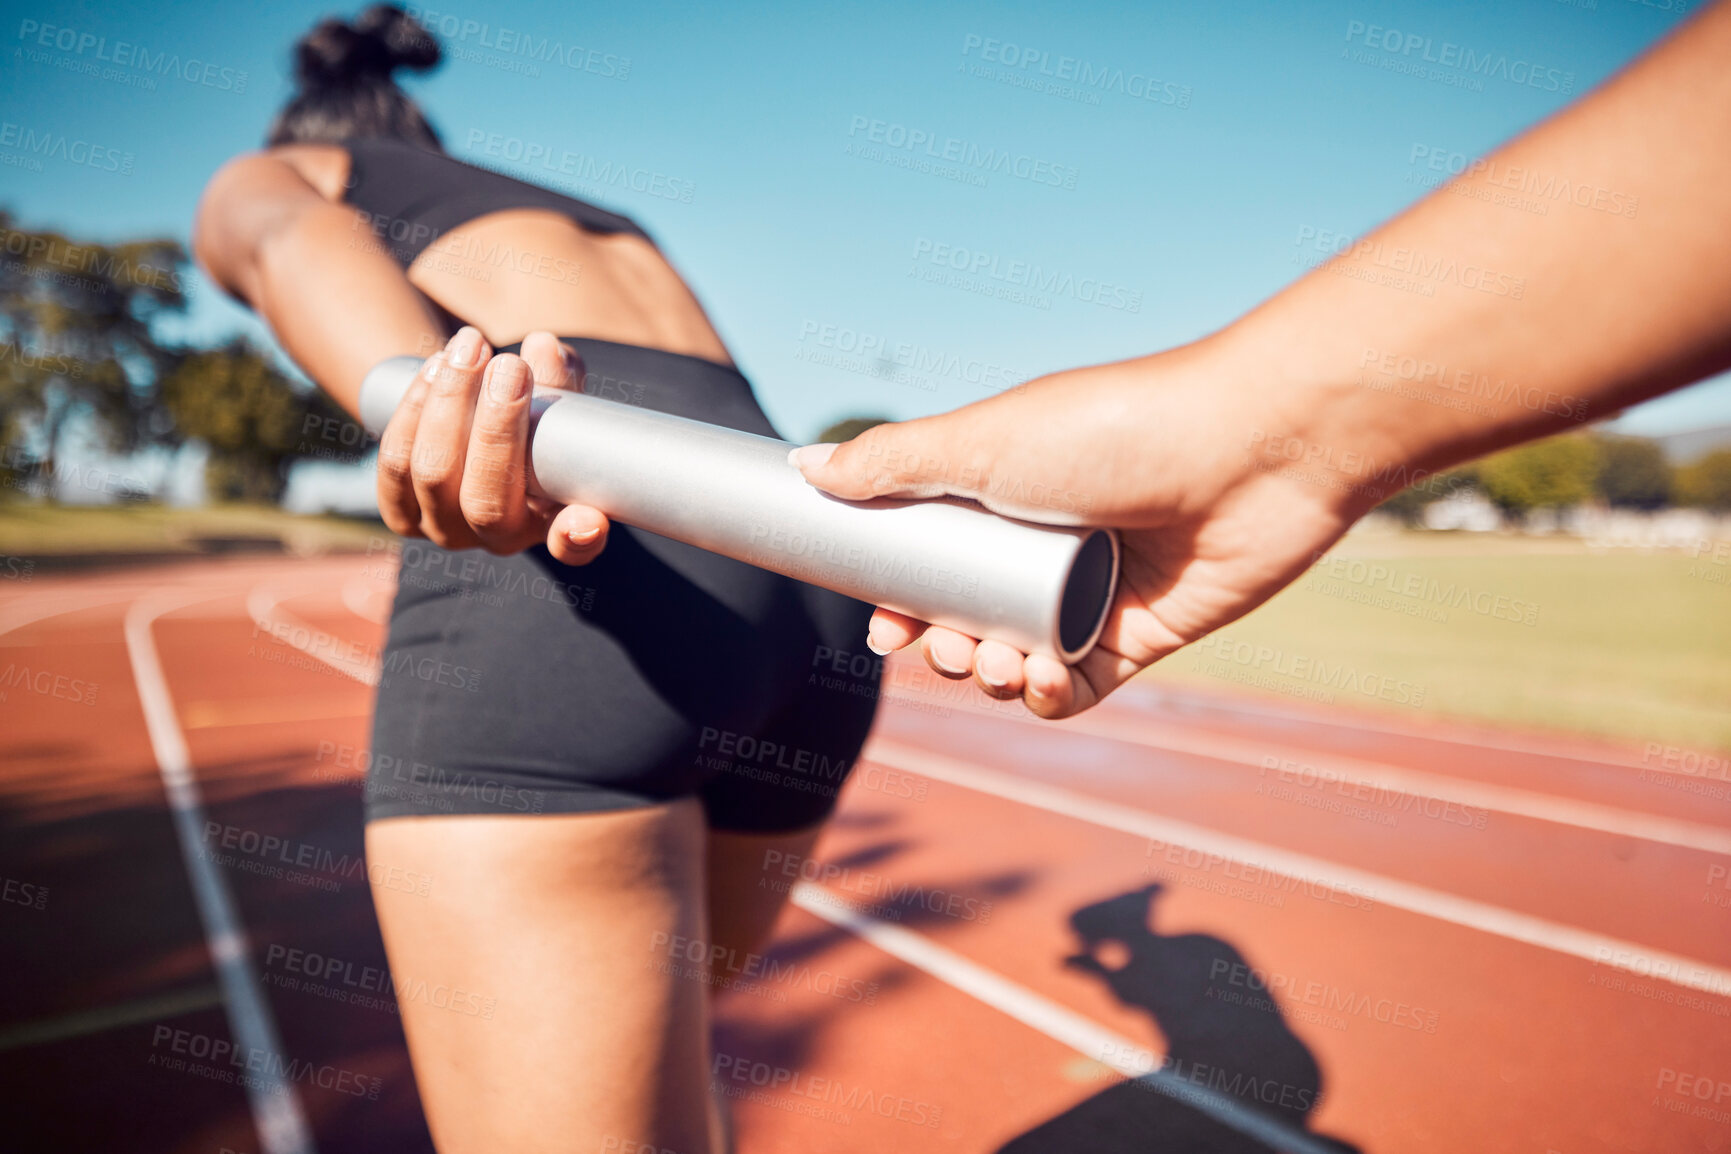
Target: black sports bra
412, 197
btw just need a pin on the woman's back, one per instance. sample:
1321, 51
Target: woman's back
507, 256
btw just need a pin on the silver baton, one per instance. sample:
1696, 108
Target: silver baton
1041, 588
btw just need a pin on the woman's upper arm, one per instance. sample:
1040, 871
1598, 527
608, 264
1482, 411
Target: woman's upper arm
250, 199
271, 230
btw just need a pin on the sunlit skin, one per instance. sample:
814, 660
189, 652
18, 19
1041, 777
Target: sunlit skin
549, 920
1179, 450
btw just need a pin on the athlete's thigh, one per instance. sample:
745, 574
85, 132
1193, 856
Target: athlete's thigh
522, 953
770, 792
748, 888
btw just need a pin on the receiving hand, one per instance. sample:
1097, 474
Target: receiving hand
453, 462
1159, 448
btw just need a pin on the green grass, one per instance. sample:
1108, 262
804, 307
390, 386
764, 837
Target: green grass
1625, 646
31, 529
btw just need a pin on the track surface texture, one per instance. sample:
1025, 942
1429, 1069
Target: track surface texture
1182, 922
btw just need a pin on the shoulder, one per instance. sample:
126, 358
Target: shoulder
256, 194
322, 167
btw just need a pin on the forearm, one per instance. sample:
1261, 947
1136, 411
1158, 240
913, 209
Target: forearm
337, 302
1465, 325
1228, 466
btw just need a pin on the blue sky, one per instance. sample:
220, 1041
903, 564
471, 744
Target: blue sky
769, 146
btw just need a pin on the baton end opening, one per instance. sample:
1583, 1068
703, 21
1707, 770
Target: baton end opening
1088, 590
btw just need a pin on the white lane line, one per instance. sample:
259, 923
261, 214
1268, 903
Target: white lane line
81, 1023
1416, 786
1060, 1023
1476, 915
1152, 699
263, 606
276, 1106
16, 615
359, 596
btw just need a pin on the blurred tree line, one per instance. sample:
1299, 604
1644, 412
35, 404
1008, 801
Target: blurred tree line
1579, 468
79, 345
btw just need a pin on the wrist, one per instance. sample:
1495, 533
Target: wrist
1323, 427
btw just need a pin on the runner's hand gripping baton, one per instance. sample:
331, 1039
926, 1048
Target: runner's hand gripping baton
1041, 588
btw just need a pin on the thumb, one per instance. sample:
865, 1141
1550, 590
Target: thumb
920, 458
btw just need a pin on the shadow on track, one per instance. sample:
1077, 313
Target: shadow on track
1228, 1038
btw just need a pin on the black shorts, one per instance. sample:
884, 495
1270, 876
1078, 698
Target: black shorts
517, 685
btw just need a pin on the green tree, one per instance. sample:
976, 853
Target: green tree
1707, 481
254, 419
1552, 473
76, 322
1633, 473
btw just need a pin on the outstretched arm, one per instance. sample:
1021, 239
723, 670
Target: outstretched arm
1231, 463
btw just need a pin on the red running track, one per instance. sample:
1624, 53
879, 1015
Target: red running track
1185, 921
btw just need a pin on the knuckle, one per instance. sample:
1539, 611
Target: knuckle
434, 481
394, 465
486, 474
434, 468
447, 380
495, 437
486, 512
396, 521
883, 481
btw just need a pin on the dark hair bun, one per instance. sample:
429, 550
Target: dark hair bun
382, 39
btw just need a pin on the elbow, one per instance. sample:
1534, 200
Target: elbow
214, 236
232, 223
253, 210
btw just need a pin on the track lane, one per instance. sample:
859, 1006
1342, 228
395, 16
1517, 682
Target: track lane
1619, 887
1511, 1034
278, 1113
1643, 777
85, 819
286, 830
92, 1033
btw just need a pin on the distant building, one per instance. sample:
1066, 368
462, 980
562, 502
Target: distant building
1468, 510
349, 489
1604, 528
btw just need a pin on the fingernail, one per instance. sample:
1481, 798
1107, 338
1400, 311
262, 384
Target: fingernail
507, 381
466, 348
876, 646
942, 667
810, 456
1035, 690
994, 682
582, 536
